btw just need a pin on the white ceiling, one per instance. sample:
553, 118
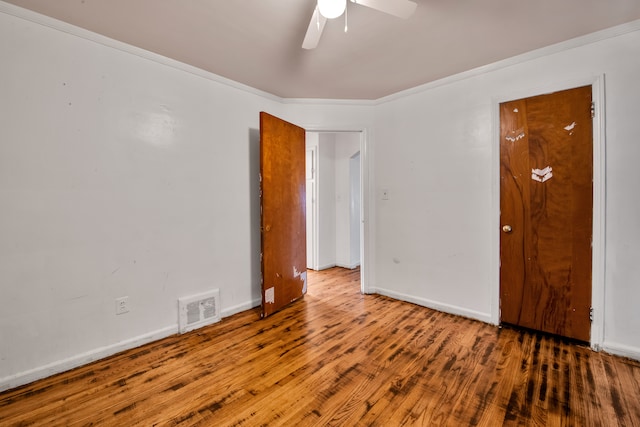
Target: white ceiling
258, 42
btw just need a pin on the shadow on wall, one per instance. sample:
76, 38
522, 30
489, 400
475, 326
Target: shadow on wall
254, 216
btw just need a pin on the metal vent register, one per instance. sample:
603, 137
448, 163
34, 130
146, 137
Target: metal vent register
198, 310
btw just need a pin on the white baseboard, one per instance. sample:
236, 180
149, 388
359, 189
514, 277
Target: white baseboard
241, 307
63, 365
326, 266
621, 350
435, 305
349, 266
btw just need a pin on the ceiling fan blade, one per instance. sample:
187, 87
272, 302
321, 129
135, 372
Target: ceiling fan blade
400, 8
314, 31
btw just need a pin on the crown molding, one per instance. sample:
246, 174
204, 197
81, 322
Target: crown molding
576, 42
47, 21
321, 101
55, 24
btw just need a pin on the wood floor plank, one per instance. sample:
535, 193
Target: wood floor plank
340, 358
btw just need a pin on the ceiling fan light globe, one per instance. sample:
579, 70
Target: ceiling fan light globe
332, 8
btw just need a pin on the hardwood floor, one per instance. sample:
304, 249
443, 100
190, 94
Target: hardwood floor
341, 358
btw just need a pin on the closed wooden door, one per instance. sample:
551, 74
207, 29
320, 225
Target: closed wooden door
282, 172
546, 209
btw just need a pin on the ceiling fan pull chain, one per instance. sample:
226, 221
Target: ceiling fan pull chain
346, 19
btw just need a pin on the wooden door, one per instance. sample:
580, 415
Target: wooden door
282, 172
546, 205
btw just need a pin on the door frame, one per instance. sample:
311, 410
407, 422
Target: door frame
366, 213
312, 249
597, 84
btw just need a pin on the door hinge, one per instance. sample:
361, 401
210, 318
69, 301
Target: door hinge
591, 314
593, 110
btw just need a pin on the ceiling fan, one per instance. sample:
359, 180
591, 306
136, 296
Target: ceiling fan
329, 9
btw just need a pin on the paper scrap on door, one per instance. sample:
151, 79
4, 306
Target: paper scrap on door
542, 175
270, 295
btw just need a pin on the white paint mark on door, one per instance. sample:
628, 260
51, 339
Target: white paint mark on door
570, 128
542, 175
515, 135
270, 295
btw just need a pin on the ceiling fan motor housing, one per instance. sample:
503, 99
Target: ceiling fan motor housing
332, 8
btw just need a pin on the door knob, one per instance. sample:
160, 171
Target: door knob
506, 228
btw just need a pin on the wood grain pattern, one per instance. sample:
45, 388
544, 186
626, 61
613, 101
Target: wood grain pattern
337, 357
546, 259
283, 208
514, 208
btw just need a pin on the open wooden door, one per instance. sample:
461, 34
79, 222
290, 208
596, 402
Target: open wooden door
546, 204
283, 223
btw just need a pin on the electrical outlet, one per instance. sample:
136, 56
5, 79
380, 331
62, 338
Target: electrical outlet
122, 305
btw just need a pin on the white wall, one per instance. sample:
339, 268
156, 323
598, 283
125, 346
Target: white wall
129, 174
326, 201
346, 145
118, 177
435, 150
121, 174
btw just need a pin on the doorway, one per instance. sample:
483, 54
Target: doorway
546, 205
334, 199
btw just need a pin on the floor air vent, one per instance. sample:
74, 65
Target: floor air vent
198, 310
